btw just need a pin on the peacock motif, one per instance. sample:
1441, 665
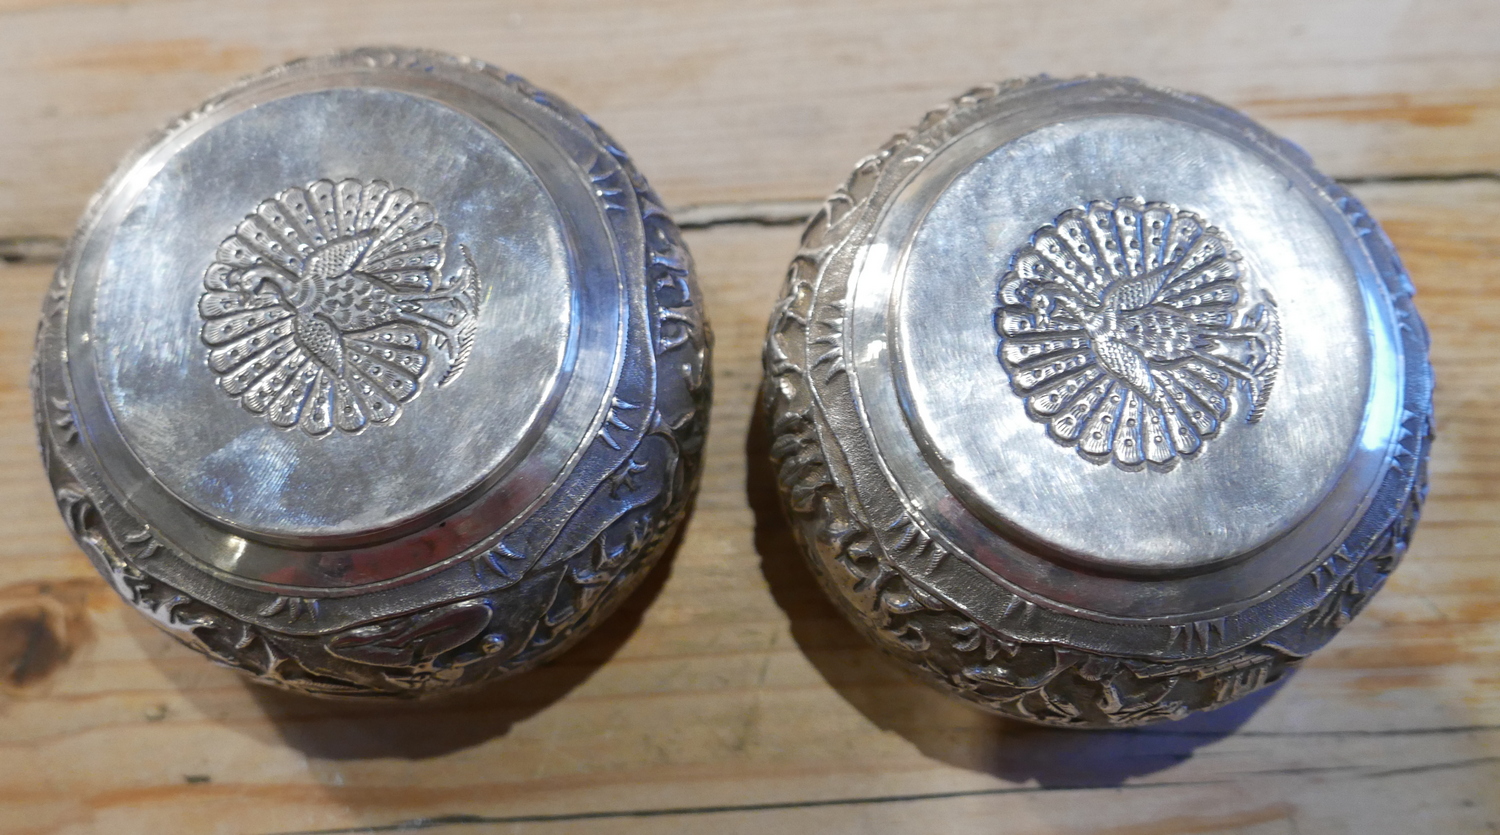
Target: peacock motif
327, 307
1124, 328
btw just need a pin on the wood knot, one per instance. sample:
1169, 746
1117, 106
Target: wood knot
41, 625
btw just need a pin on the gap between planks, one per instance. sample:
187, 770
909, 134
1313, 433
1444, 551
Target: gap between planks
683, 811
45, 249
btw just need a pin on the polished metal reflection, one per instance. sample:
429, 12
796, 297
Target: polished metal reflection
363, 356
1068, 471
1251, 485
251, 476
1122, 326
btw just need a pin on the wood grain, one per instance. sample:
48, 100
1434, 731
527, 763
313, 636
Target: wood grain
727, 101
731, 683
729, 696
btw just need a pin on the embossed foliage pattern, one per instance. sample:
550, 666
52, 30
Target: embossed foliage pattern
541, 603
1043, 681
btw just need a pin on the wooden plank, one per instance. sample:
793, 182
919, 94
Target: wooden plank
730, 686
727, 101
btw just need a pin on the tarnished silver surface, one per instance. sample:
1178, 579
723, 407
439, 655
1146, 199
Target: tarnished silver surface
1096, 402
379, 373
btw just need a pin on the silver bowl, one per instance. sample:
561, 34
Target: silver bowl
1096, 404
378, 374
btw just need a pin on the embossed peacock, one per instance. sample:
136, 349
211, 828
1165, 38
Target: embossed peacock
327, 306
1121, 325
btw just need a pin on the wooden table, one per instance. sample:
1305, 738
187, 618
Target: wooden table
729, 696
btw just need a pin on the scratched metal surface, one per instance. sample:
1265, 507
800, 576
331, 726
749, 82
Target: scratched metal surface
728, 695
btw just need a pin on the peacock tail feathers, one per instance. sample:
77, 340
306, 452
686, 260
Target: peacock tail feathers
326, 306
1120, 326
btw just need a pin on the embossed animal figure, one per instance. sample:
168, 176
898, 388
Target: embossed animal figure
1121, 328
325, 307
1132, 332
334, 296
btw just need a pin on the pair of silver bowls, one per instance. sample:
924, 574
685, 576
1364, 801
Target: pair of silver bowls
386, 373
